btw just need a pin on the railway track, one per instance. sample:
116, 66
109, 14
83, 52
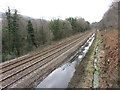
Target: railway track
11, 62
19, 69
24, 60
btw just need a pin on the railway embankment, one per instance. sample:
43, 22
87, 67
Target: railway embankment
99, 68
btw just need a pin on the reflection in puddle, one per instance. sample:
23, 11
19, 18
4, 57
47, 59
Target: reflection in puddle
60, 77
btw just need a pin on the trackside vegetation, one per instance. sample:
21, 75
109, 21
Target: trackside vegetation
21, 35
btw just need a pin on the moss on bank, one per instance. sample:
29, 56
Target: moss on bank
83, 76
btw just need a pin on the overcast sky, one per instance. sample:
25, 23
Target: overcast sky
90, 10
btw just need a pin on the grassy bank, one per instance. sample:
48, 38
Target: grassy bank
83, 76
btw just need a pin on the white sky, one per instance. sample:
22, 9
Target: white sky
90, 10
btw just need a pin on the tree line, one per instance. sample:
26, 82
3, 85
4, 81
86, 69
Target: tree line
22, 35
109, 20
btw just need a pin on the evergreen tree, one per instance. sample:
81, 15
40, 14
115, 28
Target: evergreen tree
13, 43
31, 36
9, 30
16, 41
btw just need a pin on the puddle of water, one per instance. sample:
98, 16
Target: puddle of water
60, 77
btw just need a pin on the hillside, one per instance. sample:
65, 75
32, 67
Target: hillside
110, 18
100, 67
22, 34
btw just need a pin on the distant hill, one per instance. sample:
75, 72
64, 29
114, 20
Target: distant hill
25, 17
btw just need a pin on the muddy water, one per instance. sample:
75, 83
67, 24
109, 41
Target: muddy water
60, 77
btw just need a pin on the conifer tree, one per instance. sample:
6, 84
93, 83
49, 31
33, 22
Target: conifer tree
31, 36
9, 30
16, 41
